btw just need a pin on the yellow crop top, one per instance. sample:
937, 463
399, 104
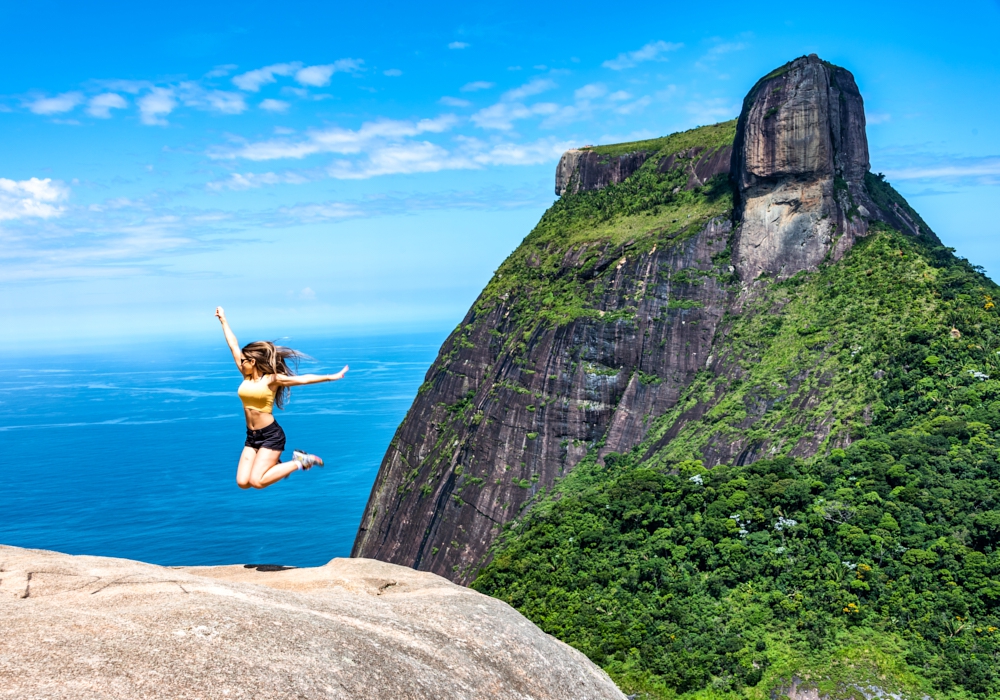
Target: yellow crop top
257, 395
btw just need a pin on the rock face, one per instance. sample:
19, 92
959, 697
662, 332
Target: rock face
92, 627
514, 402
540, 412
583, 170
799, 164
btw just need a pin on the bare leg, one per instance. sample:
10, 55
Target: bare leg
243, 471
266, 468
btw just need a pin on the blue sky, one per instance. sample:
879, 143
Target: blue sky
331, 168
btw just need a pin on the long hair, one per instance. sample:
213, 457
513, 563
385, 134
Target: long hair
273, 359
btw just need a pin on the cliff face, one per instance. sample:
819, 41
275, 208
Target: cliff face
617, 304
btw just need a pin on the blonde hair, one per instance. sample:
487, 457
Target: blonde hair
273, 359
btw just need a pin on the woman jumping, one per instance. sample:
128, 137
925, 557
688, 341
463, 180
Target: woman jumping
266, 378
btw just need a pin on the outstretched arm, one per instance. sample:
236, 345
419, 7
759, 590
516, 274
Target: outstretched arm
303, 379
231, 341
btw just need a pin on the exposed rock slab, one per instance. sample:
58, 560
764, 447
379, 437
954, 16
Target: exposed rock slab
582, 170
94, 627
799, 163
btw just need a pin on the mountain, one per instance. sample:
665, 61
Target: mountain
724, 421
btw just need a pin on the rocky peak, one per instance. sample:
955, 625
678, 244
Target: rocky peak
799, 163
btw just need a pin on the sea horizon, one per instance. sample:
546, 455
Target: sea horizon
131, 451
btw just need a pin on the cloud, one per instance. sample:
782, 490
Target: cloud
535, 153
533, 87
221, 71
392, 72
619, 95
34, 198
458, 45
253, 80
100, 106
981, 171
650, 52
711, 111
502, 115
250, 181
314, 213
877, 118
722, 49
336, 139
477, 85
590, 92
319, 76
274, 105
56, 105
156, 105
217, 101
399, 159
454, 102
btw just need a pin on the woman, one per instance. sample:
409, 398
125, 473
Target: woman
266, 379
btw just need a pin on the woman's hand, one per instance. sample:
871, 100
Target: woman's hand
340, 374
220, 314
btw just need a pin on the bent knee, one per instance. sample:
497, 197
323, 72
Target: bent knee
256, 484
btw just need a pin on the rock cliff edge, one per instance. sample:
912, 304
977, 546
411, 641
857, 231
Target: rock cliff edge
92, 627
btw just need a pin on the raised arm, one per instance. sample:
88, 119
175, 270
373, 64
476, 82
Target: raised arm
303, 379
231, 341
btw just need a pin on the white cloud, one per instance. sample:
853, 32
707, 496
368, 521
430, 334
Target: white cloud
310, 213
34, 198
307, 293
221, 71
318, 76
619, 95
56, 105
392, 72
950, 169
722, 49
503, 114
253, 80
156, 105
274, 105
652, 51
399, 159
222, 102
712, 111
458, 45
533, 87
100, 106
877, 117
454, 102
251, 181
477, 85
336, 139
541, 151
590, 92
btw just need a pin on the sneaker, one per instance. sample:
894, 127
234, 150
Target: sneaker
306, 460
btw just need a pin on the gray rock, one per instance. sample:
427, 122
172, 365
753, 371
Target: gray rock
799, 163
582, 170
94, 627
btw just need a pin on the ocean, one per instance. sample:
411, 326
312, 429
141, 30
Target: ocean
133, 453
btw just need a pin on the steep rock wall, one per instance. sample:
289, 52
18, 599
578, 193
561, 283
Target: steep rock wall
615, 308
447, 483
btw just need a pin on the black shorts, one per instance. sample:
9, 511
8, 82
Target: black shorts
272, 437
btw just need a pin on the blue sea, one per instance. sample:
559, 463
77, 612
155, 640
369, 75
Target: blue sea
132, 453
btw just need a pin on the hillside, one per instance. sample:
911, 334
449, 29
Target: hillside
724, 421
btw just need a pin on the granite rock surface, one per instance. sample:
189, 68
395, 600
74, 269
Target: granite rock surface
93, 627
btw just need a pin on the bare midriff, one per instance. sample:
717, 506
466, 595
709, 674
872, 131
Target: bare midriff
257, 419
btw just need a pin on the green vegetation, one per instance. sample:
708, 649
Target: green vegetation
877, 561
710, 137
